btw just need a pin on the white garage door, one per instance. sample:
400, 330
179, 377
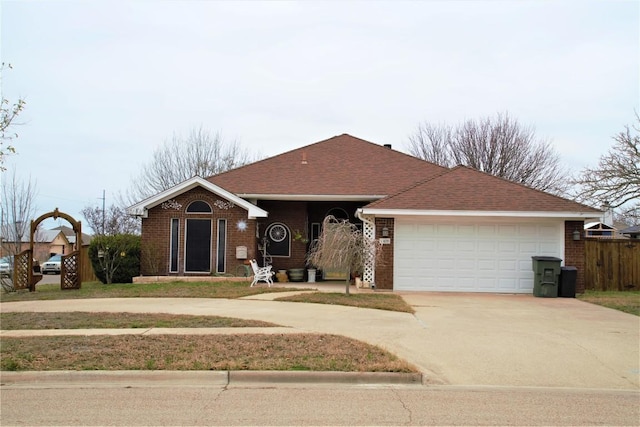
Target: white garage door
471, 255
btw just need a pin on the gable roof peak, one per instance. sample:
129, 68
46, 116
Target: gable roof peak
342, 165
142, 208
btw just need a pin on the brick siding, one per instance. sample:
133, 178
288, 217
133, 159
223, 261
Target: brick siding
293, 215
384, 264
574, 251
156, 233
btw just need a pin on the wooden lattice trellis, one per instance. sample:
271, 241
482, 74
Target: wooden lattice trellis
369, 233
24, 276
70, 272
21, 270
69, 276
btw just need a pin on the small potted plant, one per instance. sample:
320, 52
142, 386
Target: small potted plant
296, 274
299, 237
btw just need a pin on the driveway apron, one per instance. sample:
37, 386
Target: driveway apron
520, 340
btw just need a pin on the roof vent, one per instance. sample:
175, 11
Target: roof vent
387, 146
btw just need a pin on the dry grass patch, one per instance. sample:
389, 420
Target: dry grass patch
308, 352
377, 301
627, 301
82, 320
144, 290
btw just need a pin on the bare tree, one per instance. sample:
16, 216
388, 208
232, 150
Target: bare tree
616, 179
8, 113
16, 212
342, 246
111, 221
431, 143
629, 215
496, 145
17, 209
200, 153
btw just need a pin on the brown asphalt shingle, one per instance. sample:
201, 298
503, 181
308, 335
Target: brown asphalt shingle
342, 165
349, 166
463, 188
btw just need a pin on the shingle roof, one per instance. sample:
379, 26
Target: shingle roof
42, 236
342, 165
631, 230
71, 235
463, 188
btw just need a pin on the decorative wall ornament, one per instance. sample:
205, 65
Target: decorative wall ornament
221, 204
241, 225
277, 233
172, 204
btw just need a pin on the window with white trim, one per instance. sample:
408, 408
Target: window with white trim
278, 238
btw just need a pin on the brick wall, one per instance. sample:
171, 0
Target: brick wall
384, 264
156, 233
574, 251
293, 215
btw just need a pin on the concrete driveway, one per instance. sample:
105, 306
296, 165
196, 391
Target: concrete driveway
520, 340
456, 339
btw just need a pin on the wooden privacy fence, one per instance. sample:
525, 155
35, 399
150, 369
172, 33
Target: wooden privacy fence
86, 269
612, 264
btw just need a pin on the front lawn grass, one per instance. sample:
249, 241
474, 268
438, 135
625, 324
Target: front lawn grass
176, 289
82, 320
230, 290
627, 301
389, 301
282, 352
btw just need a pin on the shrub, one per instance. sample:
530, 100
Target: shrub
115, 259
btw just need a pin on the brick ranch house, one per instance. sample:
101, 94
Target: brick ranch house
443, 229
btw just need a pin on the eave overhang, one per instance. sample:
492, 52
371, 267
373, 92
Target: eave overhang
141, 209
566, 215
315, 197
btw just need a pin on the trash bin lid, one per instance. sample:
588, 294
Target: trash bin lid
546, 258
568, 268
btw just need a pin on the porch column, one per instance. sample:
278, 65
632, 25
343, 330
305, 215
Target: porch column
369, 233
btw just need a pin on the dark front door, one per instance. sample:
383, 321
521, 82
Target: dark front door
198, 246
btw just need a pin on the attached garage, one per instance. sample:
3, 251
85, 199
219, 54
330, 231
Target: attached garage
467, 231
471, 254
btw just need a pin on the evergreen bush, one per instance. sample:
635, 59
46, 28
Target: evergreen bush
115, 259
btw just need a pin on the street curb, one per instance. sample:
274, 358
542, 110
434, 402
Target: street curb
316, 377
200, 378
112, 378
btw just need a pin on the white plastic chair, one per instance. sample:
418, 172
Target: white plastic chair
261, 274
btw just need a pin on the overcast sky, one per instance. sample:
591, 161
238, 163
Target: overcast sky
106, 82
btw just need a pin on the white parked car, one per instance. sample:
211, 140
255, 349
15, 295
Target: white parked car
52, 265
6, 266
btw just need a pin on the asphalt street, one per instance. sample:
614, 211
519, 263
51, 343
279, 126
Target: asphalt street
141, 404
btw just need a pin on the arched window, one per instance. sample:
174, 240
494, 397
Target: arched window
198, 207
338, 213
278, 239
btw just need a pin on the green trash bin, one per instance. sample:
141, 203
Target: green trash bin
546, 274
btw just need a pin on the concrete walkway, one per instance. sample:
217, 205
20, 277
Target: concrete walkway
457, 339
